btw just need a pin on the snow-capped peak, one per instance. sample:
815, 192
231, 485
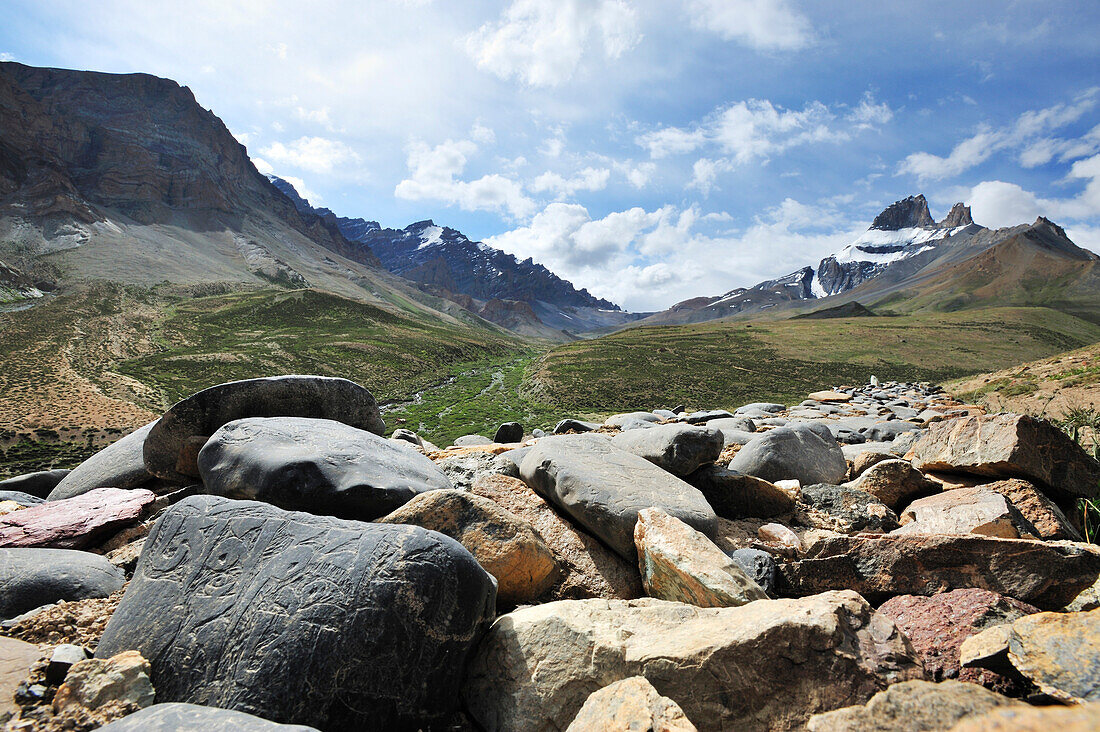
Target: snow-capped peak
430, 235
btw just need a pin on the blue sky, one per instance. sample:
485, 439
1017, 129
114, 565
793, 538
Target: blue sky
650, 151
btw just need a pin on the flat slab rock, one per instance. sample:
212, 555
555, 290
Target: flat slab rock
119, 465
766, 665
976, 510
1011, 446
301, 618
74, 523
603, 488
1046, 575
315, 465
177, 717
31, 578
173, 444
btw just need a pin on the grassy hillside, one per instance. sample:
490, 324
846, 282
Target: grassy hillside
724, 364
83, 368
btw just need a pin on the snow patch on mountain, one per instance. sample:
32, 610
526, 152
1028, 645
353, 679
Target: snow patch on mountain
430, 235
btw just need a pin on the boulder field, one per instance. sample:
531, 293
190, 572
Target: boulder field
262, 557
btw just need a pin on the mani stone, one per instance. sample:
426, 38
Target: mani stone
974, 510
913, 705
74, 523
678, 448
1011, 446
735, 495
37, 484
31, 578
504, 544
680, 564
315, 465
119, 465
805, 452
1058, 652
303, 619
878, 567
177, 717
766, 665
603, 488
630, 705
175, 440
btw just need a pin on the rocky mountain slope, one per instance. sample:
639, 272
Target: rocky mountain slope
904, 230
521, 295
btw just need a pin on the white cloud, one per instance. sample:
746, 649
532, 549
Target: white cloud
433, 175
4, 56
263, 166
705, 171
589, 179
671, 141
868, 114
997, 203
760, 24
481, 134
300, 186
637, 175
316, 116
542, 42
1029, 134
316, 154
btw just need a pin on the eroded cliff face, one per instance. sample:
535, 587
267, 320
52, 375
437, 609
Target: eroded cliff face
82, 144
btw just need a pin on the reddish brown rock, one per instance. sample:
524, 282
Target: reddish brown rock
1011, 446
879, 567
976, 510
74, 523
938, 625
590, 569
1044, 515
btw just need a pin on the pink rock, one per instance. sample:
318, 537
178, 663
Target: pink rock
74, 523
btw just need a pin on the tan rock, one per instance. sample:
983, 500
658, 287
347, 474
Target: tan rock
678, 563
7, 507
127, 555
766, 665
894, 482
630, 705
976, 510
830, 396
1011, 446
913, 705
1042, 512
865, 460
16, 659
1083, 718
781, 536
591, 569
505, 545
96, 681
1058, 652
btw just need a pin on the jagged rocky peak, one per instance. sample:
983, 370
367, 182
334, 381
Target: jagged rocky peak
908, 213
959, 216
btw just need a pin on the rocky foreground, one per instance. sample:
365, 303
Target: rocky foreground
261, 557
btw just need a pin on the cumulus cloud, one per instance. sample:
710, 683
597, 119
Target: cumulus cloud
868, 113
671, 141
433, 175
305, 192
762, 24
589, 179
315, 154
998, 203
542, 42
1029, 134
5, 56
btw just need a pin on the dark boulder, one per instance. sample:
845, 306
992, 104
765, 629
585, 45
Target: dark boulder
315, 465
173, 444
119, 465
303, 619
36, 484
23, 499
678, 448
736, 496
30, 578
807, 453
509, 432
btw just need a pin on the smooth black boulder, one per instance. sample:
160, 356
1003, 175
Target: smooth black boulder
303, 619
315, 465
805, 452
509, 432
31, 578
678, 448
177, 717
603, 488
172, 445
119, 465
37, 484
